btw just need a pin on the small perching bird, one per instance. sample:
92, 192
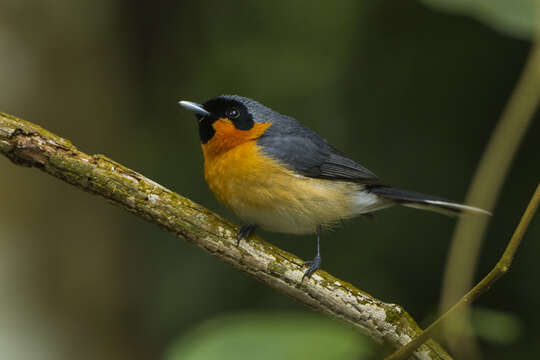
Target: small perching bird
278, 174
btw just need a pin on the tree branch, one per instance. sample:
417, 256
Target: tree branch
29, 145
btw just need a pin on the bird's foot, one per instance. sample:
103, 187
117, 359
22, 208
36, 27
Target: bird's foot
244, 233
313, 265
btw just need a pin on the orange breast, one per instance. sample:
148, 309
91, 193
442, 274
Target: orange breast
232, 160
263, 191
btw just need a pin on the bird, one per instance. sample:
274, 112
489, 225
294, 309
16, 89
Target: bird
281, 176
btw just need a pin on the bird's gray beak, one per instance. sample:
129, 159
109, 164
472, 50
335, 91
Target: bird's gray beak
194, 107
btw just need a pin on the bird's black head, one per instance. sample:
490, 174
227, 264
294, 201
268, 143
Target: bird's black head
241, 111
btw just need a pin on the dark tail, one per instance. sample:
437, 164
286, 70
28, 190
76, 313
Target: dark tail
425, 202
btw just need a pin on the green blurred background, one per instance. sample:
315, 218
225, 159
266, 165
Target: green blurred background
411, 90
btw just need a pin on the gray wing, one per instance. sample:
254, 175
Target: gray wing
311, 155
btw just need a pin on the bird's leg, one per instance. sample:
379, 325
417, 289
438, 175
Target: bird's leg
316, 262
244, 232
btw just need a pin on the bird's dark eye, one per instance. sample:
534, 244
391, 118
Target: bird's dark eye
232, 113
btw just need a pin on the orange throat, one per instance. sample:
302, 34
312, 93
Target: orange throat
230, 158
228, 137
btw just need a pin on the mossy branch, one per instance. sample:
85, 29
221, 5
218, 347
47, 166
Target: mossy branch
29, 145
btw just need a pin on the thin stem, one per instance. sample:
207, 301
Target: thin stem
484, 192
502, 266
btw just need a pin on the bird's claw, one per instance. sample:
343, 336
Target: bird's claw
244, 233
313, 265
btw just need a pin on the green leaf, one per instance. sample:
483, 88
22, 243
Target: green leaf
513, 17
496, 326
269, 337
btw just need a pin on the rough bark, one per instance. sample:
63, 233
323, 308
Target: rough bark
29, 145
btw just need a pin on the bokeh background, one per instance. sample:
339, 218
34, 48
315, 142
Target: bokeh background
412, 90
